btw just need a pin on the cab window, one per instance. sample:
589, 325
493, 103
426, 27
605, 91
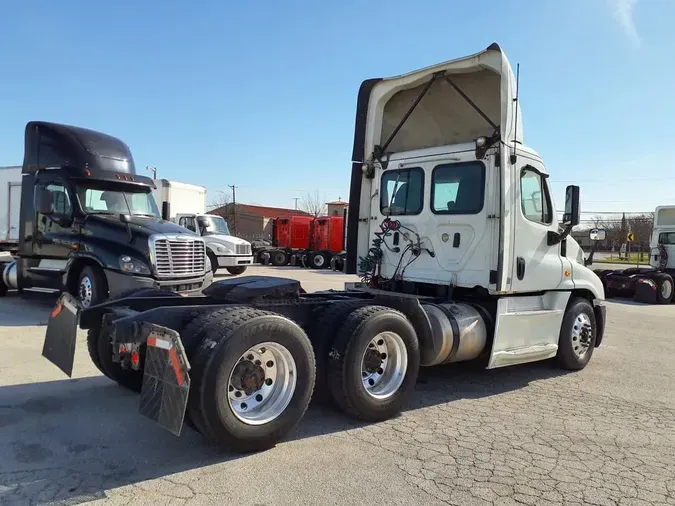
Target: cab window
187, 222
534, 197
667, 238
402, 192
458, 188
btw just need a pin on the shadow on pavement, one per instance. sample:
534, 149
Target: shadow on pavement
67, 442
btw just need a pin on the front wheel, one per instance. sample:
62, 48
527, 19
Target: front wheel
577, 335
214, 262
236, 271
92, 288
373, 363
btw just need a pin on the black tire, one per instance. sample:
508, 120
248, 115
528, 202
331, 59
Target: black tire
317, 260
191, 336
345, 357
278, 257
236, 271
100, 347
322, 333
569, 340
98, 286
213, 260
3, 286
220, 350
664, 287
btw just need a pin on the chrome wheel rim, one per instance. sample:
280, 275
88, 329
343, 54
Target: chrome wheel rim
262, 383
581, 335
85, 291
383, 365
319, 260
666, 289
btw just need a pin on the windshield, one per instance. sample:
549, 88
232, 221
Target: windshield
117, 201
217, 225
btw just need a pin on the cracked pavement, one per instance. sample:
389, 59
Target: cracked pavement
527, 434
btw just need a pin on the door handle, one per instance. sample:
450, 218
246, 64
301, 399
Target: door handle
520, 267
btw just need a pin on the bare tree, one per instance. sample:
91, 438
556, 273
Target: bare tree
314, 204
221, 205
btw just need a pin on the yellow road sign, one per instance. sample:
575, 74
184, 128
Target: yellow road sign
630, 237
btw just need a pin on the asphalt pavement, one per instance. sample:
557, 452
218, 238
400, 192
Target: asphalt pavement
530, 434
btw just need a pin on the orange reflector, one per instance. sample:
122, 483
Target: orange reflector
567, 274
118, 176
176, 366
87, 172
152, 341
56, 310
132, 178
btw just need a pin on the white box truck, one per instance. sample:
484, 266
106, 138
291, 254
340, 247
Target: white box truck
10, 207
185, 204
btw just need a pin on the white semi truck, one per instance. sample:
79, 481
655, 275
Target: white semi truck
452, 228
185, 204
10, 207
652, 284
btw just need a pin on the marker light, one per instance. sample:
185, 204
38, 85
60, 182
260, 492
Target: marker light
481, 142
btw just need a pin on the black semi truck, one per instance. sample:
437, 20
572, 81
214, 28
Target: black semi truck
90, 226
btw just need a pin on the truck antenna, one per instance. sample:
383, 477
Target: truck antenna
515, 131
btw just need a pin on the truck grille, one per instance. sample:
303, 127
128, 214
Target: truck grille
179, 257
243, 249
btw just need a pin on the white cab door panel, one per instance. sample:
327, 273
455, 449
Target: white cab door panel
536, 265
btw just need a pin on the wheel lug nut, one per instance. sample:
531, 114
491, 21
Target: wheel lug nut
263, 350
380, 342
259, 398
244, 405
257, 362
383, 356
268, 381
270, 363
237, 393
371, 382
380, 371
250, 357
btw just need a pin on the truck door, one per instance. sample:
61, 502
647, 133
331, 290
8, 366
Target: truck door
14, 211
537, 266
54, 238
528, 325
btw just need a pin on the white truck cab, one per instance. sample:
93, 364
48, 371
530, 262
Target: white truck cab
662, 244
450, 202
222, 248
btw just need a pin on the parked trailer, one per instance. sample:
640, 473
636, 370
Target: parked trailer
652, 284
305, 241
445, 278
10, 207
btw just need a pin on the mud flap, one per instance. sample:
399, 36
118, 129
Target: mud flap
59, 345
166, 382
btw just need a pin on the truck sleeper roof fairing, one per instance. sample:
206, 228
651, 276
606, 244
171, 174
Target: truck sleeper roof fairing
83, 153
386, 115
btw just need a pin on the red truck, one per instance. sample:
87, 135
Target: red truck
306, 241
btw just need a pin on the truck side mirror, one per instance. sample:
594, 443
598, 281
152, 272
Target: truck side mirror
202, 222
597, 234
572, 215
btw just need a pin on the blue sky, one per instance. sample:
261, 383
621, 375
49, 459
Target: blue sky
262, 94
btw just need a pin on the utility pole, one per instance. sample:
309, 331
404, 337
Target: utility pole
153, 170
234, 209
296, 202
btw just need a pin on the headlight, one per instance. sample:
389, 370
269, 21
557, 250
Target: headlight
128, 264
219, 248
